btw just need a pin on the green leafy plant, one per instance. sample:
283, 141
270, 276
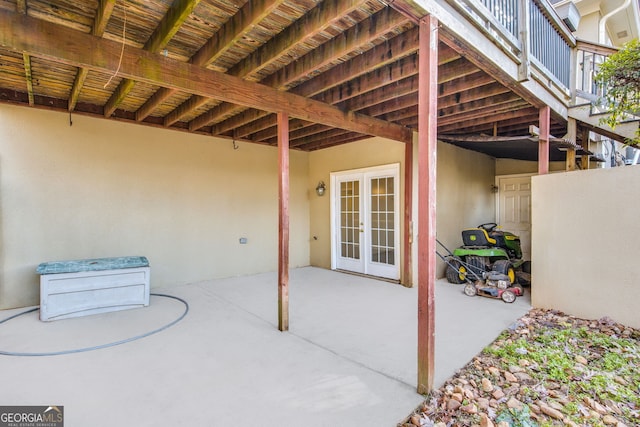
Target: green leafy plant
620, 74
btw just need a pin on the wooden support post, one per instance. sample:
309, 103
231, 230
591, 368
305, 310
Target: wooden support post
407, 280
584, 162
543, 140
524, 69
427, 150
572, 129
283, 225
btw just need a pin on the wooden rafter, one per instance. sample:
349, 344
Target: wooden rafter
487, 117
375, 58
168, 27
21, 6
361, 88
363, 62
27, 72
20, 33
105, 9
250, 15
316, 20
397, 96
361, 34
103, 14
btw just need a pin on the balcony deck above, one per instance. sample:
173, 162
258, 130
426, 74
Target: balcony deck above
344, 70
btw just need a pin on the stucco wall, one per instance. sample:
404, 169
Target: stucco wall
101, 188
512, 167
585, 243
361, 154
464, 193
464, 197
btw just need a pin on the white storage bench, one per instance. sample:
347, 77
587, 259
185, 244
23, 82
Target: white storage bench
92, 286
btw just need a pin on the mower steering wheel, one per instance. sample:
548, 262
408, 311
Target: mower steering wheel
488, 226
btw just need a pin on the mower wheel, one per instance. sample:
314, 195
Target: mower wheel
456, 272
504, 266
508, 296
526, 267
470, 290
518, 290
477, 265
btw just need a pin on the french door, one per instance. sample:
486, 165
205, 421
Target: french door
365, 221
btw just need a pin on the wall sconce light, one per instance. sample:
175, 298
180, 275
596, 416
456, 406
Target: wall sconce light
494, 188
320, 188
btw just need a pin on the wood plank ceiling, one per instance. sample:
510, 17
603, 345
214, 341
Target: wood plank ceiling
357, 56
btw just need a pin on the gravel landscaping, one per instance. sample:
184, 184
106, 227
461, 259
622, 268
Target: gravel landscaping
547, 369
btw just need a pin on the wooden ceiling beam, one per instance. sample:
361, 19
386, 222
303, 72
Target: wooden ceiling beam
191, 104
497, 115
377, 25
478, 104
358, 35
488, 111
21, 6
103, 14
453, 67
20, 33
387, 93
250, 15
517, 123
336, 134
340, 139
153, 102
318, 19
451, 70
166, 29
27, 73
384, 54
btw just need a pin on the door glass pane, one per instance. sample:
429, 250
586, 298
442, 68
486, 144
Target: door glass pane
350, 219
382, 220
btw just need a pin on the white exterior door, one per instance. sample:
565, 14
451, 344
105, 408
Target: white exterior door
514, 208
365, 221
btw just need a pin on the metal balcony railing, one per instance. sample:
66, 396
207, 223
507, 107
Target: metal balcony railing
589, 58
548, 46
529, 31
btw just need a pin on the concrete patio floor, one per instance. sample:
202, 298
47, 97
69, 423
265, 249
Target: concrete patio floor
348, 359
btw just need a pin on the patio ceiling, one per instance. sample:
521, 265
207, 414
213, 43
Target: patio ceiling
343, 70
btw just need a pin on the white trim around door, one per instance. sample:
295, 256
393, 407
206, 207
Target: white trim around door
365, 221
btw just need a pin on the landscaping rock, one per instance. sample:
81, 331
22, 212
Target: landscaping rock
453, 404
510, 377
504, 378
469, 409
514, 403
553, 413
609, 420
485, 421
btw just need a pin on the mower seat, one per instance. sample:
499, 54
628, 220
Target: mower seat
477, 237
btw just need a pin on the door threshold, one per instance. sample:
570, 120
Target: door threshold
368, 276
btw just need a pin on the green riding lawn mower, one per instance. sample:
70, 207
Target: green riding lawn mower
489, 262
